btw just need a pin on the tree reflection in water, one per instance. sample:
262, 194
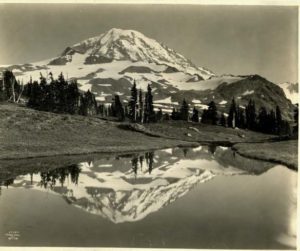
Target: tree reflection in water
49, 178
137, 161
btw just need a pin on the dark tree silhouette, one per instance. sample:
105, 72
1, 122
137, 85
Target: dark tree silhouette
117, 109
251, 115
149, 114
175, 114
279, 122
210, 115
240, 118
159, 115
223, 120
232, 115
195, 116
184, 111
166, 117
262, 120
133, 103
141, 107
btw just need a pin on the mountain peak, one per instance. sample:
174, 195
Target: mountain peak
130, 45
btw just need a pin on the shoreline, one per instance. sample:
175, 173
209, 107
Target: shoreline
280, 152
290, 166
129, 150
107, 150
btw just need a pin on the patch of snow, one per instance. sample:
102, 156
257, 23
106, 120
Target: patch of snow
101, 98
167, 100
201, 106
247, 92
196, 101
104, 85
85, 87
223, 102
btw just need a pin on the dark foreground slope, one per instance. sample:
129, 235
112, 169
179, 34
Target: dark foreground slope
30, 133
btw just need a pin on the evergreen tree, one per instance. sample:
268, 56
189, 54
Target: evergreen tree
184, 111
35, 94
72, 98
27, 88
159, 115
285, 128
126, 110
62, 93
117, 109
195, 116
271, 122
205, 117
88, 104
223, 120
133, 103
232, 116
240, 118
149, 114
210, 115
100, 110
166, 117
141, 107
251, 115
262, 120
175, 114
212, 109
278, 119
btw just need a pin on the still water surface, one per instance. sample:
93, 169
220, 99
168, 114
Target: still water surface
205, 197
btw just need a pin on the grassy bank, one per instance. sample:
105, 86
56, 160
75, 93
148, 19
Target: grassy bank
284, 152
29, 133
206, 133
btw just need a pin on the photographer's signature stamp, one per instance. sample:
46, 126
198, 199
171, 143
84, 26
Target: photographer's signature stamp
13, 235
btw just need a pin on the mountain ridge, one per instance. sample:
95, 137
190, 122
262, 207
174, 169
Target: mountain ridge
109, 63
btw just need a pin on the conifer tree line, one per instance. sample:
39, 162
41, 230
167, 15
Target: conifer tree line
264, 121
62, 96
140, 107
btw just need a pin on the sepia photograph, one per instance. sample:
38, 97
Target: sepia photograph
155, 125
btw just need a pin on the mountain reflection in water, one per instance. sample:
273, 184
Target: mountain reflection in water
127, 188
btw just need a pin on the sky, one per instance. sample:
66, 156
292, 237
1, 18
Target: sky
224, 39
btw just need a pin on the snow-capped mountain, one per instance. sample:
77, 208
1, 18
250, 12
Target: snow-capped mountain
128, 45
108, 64
291, 91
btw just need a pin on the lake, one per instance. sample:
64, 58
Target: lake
204, 197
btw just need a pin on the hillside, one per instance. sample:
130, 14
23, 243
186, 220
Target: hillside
30, 133
291, 91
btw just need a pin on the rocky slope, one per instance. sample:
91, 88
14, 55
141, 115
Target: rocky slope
291, 91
